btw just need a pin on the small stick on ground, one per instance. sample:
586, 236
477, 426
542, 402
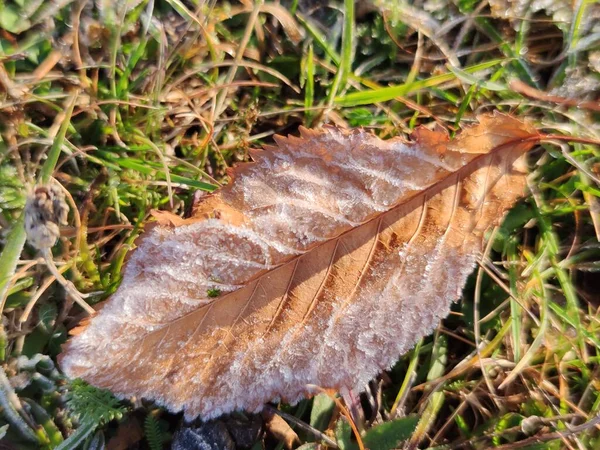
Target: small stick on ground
69, 287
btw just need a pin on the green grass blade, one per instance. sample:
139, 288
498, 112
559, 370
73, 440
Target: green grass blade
309, 89
319, 39
408, 378
345, 65
537, 342
347, 42
391, 92
54, 153
10, 256
74, 441
439, 359
17, 236
469, 79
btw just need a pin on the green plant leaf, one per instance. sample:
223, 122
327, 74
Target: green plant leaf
88, 402
321, 411
343, 433
389, 435
386, 436
11, 19
154, 435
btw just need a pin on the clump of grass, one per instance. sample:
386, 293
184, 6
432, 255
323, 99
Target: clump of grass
169, 94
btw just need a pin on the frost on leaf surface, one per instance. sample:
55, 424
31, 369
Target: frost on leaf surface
333, 253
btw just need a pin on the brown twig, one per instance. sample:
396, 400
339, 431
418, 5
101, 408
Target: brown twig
531, 92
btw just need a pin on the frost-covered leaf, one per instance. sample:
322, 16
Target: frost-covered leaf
333, 253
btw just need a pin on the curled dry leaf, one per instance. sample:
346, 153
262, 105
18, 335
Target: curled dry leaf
280, 429
332, 254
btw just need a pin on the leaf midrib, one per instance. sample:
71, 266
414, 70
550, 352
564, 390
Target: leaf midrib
437, 187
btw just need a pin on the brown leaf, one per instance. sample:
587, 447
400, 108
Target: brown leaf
333, 254
128, 434
280, 429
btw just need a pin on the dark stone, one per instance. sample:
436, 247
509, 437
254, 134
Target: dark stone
244, 431
206, 436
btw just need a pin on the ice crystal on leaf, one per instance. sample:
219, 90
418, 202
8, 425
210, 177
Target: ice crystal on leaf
332, 253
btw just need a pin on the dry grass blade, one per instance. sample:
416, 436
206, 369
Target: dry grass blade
519, 86
322, 256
